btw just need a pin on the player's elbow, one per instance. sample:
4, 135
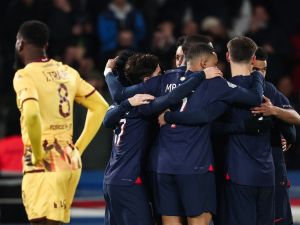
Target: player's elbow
32, 118
108, 123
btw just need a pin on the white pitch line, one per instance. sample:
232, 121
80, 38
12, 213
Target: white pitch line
87, 212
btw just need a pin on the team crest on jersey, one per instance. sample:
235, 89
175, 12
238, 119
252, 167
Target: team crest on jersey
231, 85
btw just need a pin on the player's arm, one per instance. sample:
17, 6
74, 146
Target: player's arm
251, 126
163, 102
87, 96
27, 98
194, 117
117, 112
287, 114
32, 119
96, 109
288, 132
120, 93
251, 97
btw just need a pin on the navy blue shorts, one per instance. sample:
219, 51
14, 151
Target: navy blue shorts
126, 205
248, 205
185, 195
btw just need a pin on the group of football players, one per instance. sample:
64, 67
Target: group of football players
189, 146
193, 145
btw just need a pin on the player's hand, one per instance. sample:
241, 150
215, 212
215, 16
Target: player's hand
212, 72
266, 108
161, 118
111, 63
285, 146
140, 99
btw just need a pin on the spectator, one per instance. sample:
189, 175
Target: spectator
213, 27
119, 15
163, 44
190, 27
272, 39
61, 21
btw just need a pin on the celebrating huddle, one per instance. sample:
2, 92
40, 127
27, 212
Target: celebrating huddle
185, 168
189, 146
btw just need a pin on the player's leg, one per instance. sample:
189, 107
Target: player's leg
51, 222
198, 196
241, 204
203, 219
172, 220
168, 200
265, 206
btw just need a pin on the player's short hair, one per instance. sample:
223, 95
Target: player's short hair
199, 50
140, 66
35, 32
194, 39
261, 54
241, 49
180, 41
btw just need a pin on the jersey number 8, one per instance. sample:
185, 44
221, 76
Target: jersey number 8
63, 101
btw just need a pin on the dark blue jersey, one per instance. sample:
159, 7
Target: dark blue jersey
129, 144
187, 149
249, 158
131, 135
280, 130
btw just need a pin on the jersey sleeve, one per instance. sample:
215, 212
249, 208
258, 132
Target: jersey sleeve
197, 117
282, 101
83, 89
119, 93
163, 102
115, 113
25, 89
236, 94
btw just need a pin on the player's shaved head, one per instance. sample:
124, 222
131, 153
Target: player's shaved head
140, 66
195, 39
241, 49
199, 50
260, 63
34, 32
261, 54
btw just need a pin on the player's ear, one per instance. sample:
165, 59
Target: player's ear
21, 45
203, 63
253, 60
227, 57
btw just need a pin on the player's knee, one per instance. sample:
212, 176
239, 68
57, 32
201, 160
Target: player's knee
171, 220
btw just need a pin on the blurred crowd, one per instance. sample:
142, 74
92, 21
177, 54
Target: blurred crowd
85, 33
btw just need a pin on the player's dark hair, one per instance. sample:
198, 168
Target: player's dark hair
199, 50
241, 49
194, 39
35, 32
120, 65
180, 41
140, 66
261, 54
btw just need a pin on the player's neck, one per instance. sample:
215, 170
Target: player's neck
193, 68
238, 69
35, 56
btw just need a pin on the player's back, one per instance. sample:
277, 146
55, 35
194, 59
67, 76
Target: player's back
249, 158
54, 86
